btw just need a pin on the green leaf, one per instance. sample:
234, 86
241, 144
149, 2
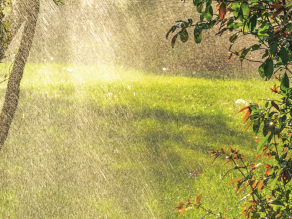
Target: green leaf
237, 25
202, 17
196, 2
243, 54
198, 33
200, 7
245, 10
184, 36
284, 56
255, 47
244, 29
252, 23
262, 143
274, 183
285, 83
210, 24
234, 211
276, 202
263, 28
262, 70
256, 126
273, 48
208, 12
233, 37
269, 68
174, 39
172, 29
235, 8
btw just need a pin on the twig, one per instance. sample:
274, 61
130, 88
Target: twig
3, 80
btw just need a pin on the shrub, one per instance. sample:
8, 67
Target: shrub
269, 189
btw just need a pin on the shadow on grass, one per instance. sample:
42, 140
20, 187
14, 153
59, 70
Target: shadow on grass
105, 155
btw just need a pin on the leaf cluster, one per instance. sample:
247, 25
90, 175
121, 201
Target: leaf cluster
267, 191
267, 20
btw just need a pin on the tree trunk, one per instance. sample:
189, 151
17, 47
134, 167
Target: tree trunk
13, 87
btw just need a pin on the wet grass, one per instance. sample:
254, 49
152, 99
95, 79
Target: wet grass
96, 142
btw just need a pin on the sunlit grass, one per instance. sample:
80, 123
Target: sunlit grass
90, 142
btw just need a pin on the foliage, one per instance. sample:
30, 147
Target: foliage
58, 2
269, 188
5, 34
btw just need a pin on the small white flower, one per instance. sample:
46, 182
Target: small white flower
110, 94
240, 101
69, 69
52, 58
129, 87
164, 69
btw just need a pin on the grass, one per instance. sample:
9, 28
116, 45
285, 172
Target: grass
100, 142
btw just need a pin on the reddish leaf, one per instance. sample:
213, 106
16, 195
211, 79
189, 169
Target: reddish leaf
228, 162
276, 6
229, 58
260, 185
246, 116
259, 156
277, 30
278, 11
221, 32
222, 10
278, 215
180, 206
182, 211
235, 180
196, 206
246, 127
198, 199
227, 173
242, 189
212, 152
275, 90
275, 105
254, 184
267, 166
244, 108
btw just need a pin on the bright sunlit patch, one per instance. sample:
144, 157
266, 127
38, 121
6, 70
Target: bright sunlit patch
69, 69
164, 69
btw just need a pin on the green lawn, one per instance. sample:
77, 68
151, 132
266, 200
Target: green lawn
97, 142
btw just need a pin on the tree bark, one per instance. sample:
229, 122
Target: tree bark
13, 87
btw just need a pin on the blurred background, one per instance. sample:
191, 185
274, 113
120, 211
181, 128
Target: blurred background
131, 34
